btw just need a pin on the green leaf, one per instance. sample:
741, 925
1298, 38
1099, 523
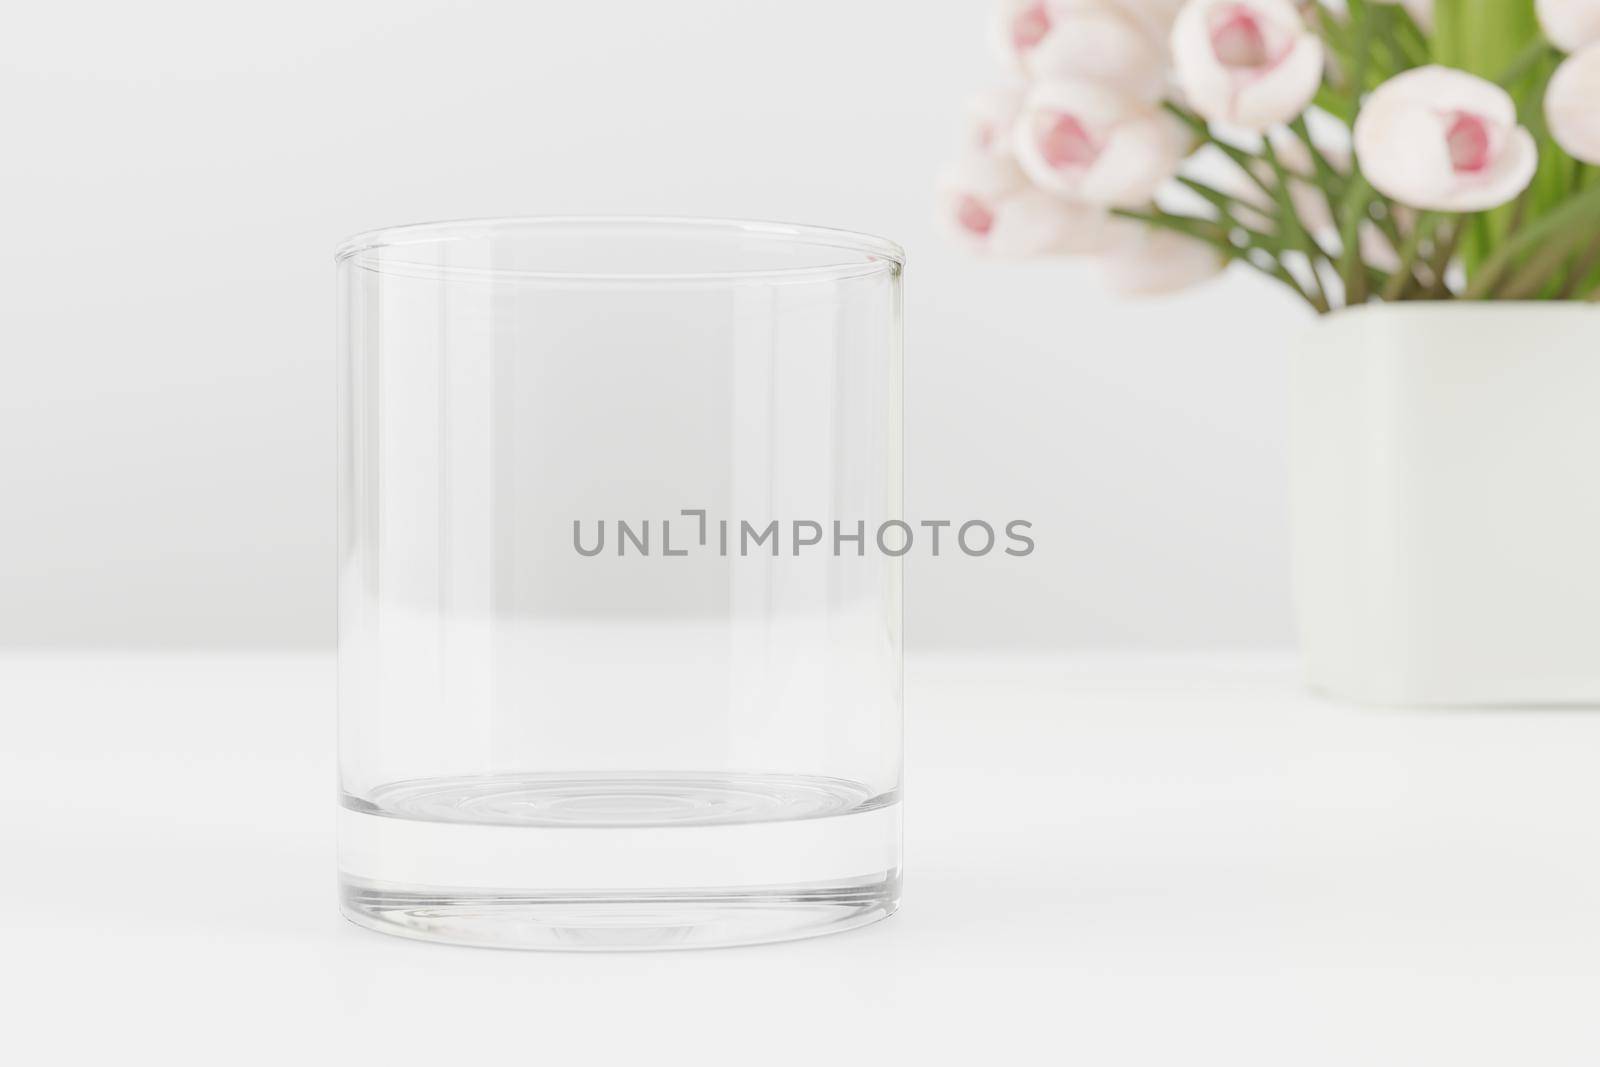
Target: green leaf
1483, 36
1581, 212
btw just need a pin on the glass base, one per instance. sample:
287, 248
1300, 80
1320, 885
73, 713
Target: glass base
614, 860
618, 921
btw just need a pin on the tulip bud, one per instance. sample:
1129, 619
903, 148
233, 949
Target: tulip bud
1087, 142
1145, 261
989, 205
1441, 139
1100, 42
991, 116
1572, 104
1113, 42
1570, 24
1248, 63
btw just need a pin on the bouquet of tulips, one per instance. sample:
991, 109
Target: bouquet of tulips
1353, 150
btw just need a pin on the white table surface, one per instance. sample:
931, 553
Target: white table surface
1112, 860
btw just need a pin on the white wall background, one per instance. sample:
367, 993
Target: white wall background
175, 175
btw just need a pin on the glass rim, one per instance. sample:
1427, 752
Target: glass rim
860, 255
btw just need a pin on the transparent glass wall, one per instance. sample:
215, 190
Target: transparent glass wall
619, 638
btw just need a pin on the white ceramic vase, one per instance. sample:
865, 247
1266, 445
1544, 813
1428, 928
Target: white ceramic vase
1445, 497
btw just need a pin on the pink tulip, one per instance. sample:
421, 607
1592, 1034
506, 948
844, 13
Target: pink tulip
1441, 139
1572, 104
1019, 27
1570, 24
1087, 142
1247, 63
988, 203
991, 117
1115, 42
1101, 42
1144, 261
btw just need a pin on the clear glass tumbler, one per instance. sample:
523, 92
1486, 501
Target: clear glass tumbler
619, 582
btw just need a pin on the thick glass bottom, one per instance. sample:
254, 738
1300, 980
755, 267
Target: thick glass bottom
616, 921
645, 860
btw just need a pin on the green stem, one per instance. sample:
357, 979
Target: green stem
1333, 183
1227, 205
1211, 233
1362, 53
1336, 42
1573, 215
1525, 60
1579, 272
1228, 209
1200, 229
1298, 233
1411, 38
1239, 156
1444, 252
1409, 253
1334, 104
1352, 209
1540, 269
1391, 43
